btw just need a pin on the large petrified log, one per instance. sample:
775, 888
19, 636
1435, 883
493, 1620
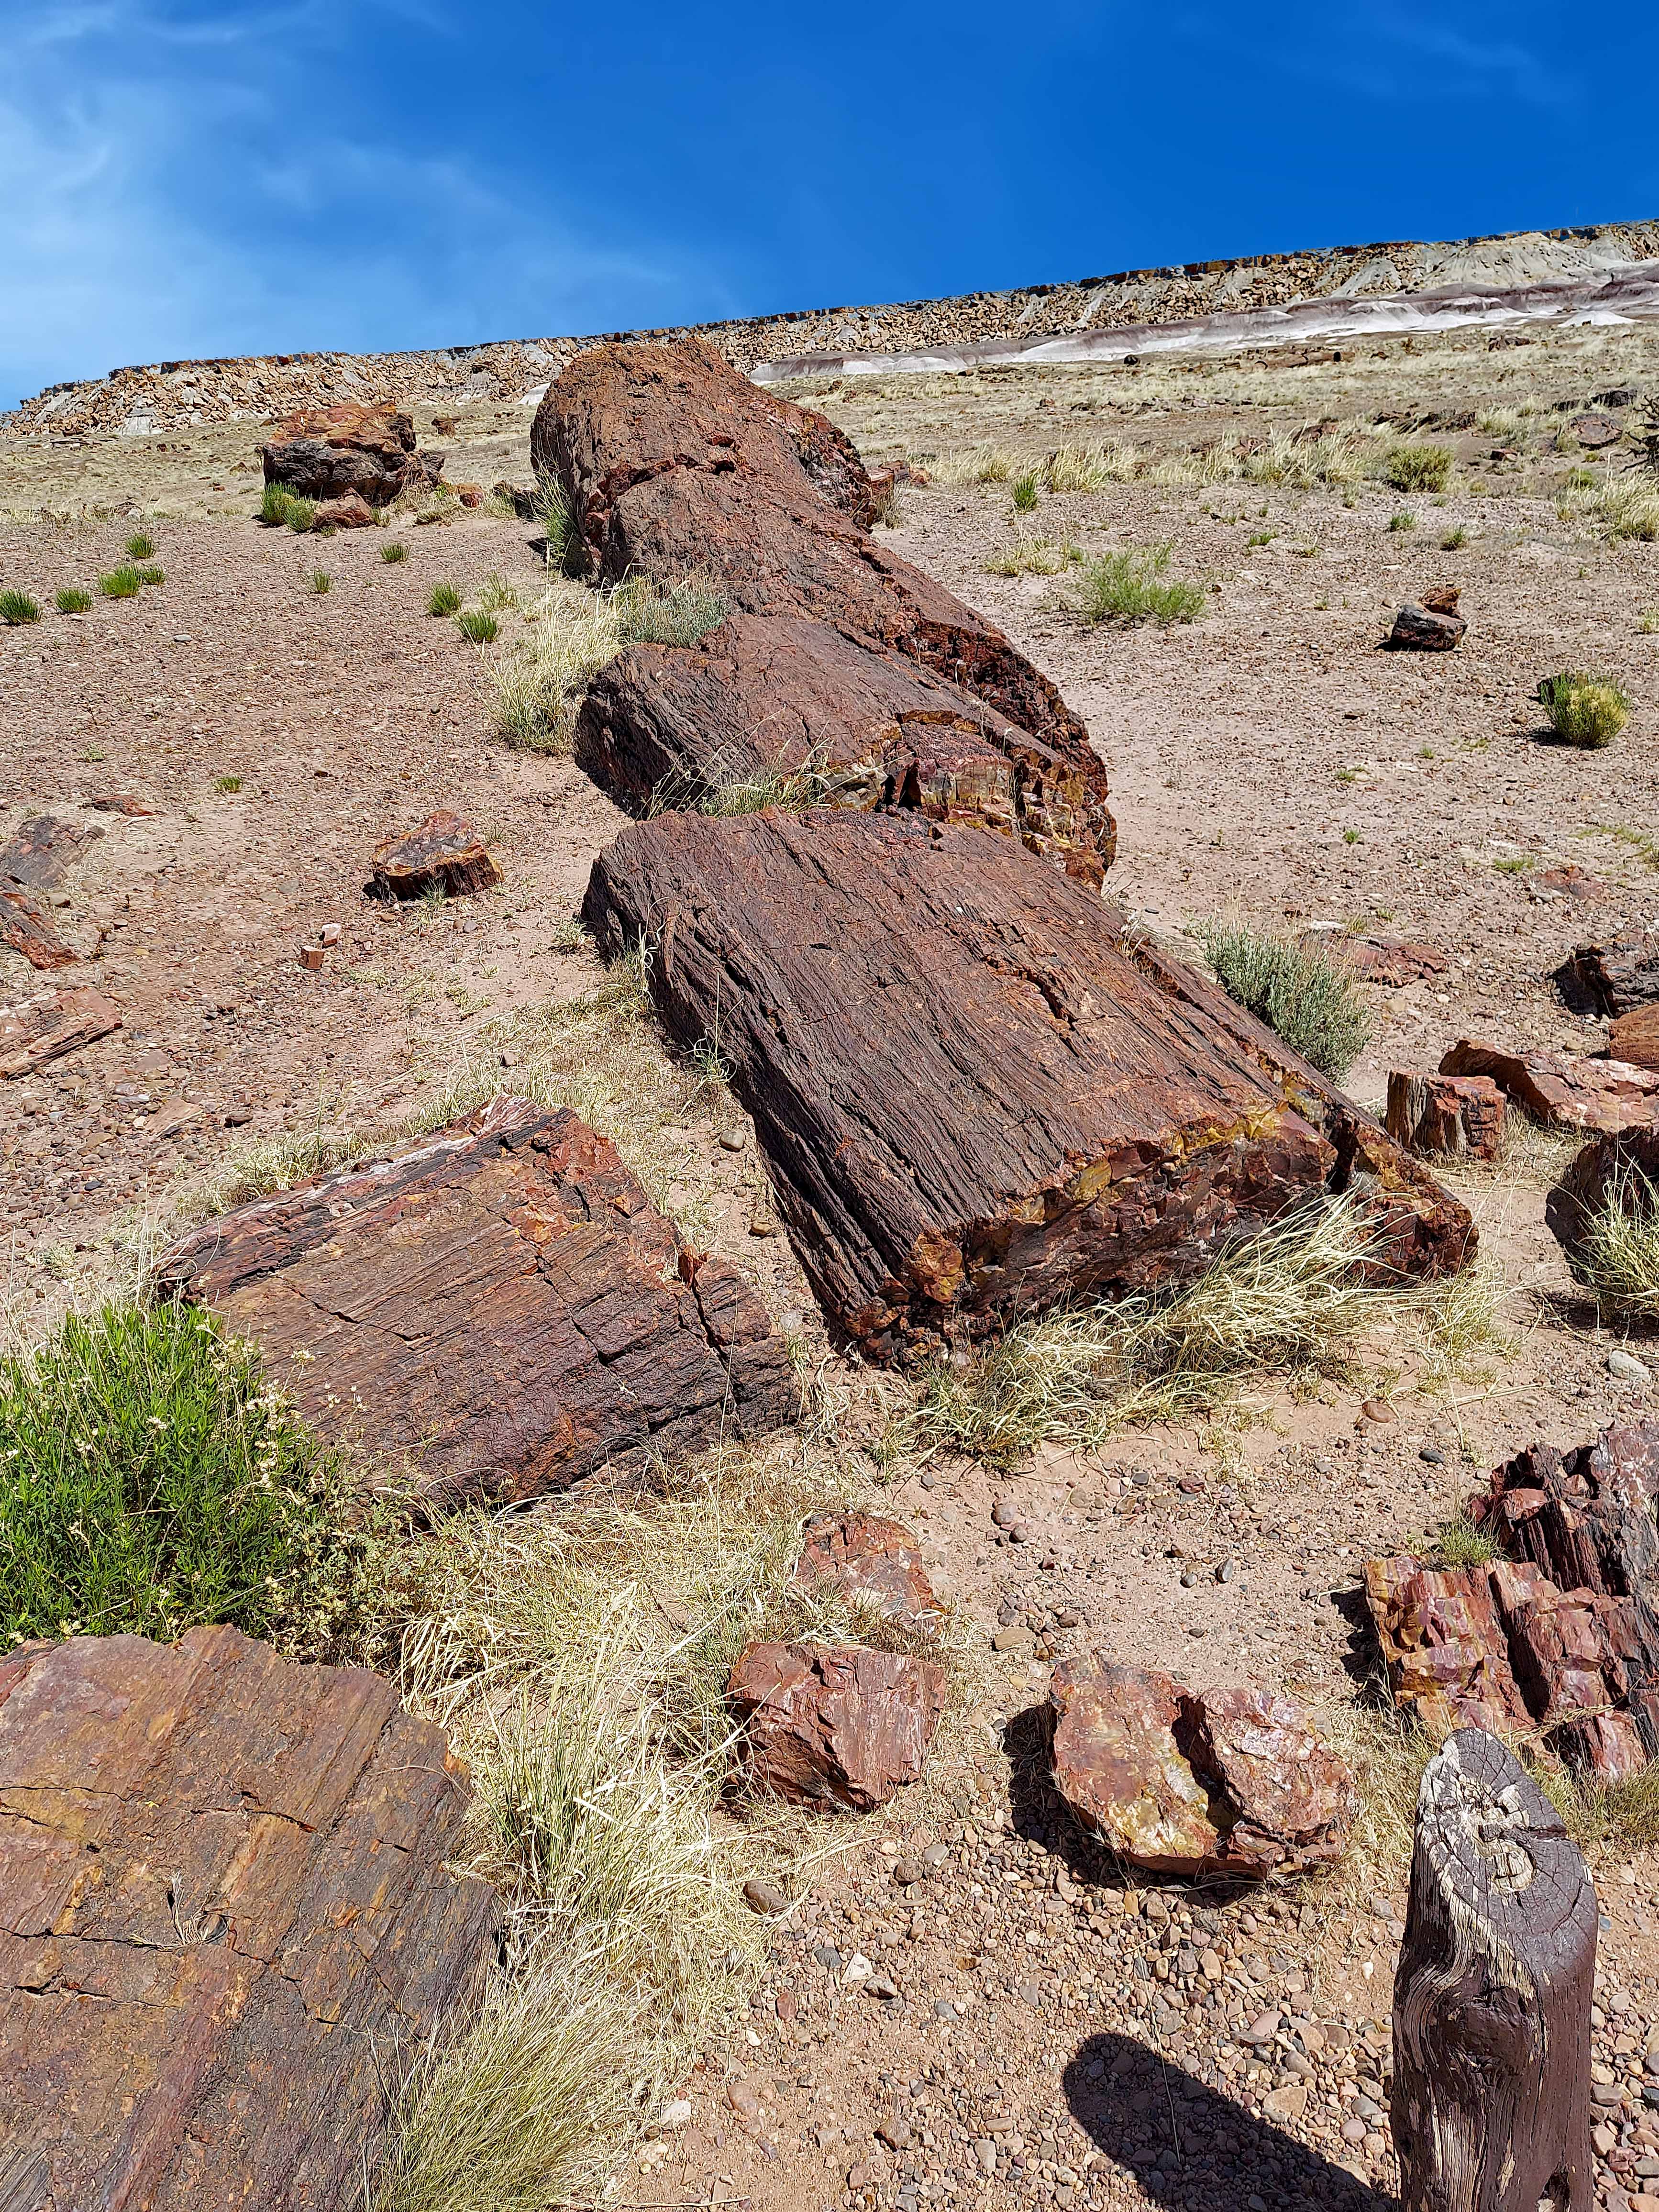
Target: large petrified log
499, 1308
1490, 2106
1562, 1090
762, 698
328, 453
1619, 1169
674, 463
974, 1102
224, 1902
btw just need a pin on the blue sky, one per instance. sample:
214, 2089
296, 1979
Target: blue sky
190, 177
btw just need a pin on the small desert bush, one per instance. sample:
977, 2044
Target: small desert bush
1032, 556
141, 546
1403, 520
1583, 709
1453, 538
394, 551
150, 1481
228, 784
122, 583
72, 600
1300, 994
1131, 587
1460, 1544
274, 505
1024, 493
1410, 466
668, 614
479, 625
443, 599
1616, 1253
321, 582
17, 606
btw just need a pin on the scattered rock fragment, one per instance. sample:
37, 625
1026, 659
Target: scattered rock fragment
1391, 961
861, 1556
37, 1030
328, 453
351, 511
830, 1726
444, 853
25, 926
1560, 1090
43, 849
1610, 979
1447, 1117
119, 802
1432, 624
1594, 431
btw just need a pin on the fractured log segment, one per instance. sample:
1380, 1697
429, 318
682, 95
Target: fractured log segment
1618, 1171
974, 1103
496, 1312
224, 1900
762, 699
1611, 980
1585, 1517
1490, 2106
674, 463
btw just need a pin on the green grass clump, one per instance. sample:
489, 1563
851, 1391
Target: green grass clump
1615, 1253
478, 624
150, 1482
17, 606
149, 573
72, 600
273, 504
301, 514
140, 546
122, 583
397, 550
321, 582
1403, 520
1024, 493
1622, 1814
1460, 1544
1130, 586
673, 614
226, 783
1454, 538
1300, 994
1412, 467
1581, 708
560, 531
443, 599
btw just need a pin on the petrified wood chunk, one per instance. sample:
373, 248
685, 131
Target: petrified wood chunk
759, 699
1449, 1116
1233, 1781
1424, 628
226, 1902
1619, 1169
25, 926
674, 463
1560, 1090
1584, 1517
44, 1028
326, 452
444, 852
973, 1101
829, 1726
1634, 1037
500, 1308
1447, 1654
37, 857
862, 1556
1610, 979
1491, 2105
350, 511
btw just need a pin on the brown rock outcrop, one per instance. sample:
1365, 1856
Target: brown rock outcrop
975, 1097
1560, 1090
1446, 1116
44, 1028
864, 1556
225, 1898
1230, 1781
833, 1727
444, 852
498, 1310
328, 453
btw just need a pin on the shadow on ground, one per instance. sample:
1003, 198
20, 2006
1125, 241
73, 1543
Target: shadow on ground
1194, 2149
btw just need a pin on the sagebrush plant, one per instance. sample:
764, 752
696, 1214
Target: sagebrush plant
72, 600
1413, 466
151, 1481
1616, 1253
122, 583
1131, 587
141, 546
1297, 990
443, 599
16, 606
1583, 708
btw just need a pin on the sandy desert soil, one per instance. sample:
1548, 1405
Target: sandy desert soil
1057, 2035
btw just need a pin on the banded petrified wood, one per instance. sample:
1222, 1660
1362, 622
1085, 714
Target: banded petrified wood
1491, 2105
225, 1907
974, 1101
496, 1311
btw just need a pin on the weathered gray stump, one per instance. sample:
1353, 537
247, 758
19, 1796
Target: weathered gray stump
1492, 2000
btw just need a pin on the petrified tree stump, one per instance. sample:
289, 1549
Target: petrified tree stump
1491, 2030
1611, 979
443, 854
1452, 1117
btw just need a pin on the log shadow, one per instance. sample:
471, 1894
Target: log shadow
1193, 2149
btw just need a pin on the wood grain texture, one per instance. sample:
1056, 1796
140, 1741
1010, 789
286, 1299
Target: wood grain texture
35, 1031
1490, 2106
226, 1905
497, 1311
974, 1101
444, 853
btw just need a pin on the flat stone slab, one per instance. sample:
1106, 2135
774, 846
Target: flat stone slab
225, 1904
497, 1311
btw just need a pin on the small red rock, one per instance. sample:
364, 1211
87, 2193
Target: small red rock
351, 512
862, 1556
1376, 1409
311, 956
828, 1726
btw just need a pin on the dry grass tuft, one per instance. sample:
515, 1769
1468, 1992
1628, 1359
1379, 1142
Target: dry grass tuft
1624, 1814
1025, 555
539, 683
1617, 1254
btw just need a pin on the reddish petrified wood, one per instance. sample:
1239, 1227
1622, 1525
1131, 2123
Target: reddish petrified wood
856, 724
1447, 1658
1490, 2105
974, 1098
1584, 1517
43, 848
225, 1902
1233, 1781
833, 1727
45, 1028
1621, 1169
444, 852
1420, 628
673, 463
499, 1310
1559, 1090
327, 453
25, 926
1610, 979
861, 1556
1446, 1116
1634, 1038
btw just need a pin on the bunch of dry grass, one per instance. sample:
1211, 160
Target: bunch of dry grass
1616, 1252
1624, 507
976, 464
538, 684
1025, 555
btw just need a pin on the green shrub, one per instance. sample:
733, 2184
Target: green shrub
1412, 467
150, 1482
677, 614
1454, 538
1581, 708
140, 546
72, 600
478, 624
274, 502
151, 574
300, 514
1300, 994
17, 606
1129, 586
1403, 520
321, 582
443, 599
226, 783
397, 550
1023, 492
122, 583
